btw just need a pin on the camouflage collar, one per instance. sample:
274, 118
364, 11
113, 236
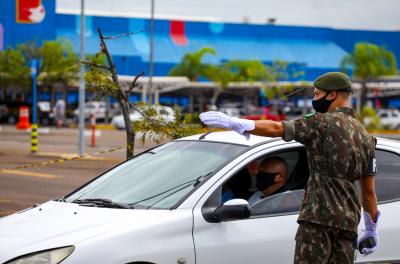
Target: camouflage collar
346, 110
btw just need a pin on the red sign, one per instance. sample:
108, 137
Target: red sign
177, 33
30, 11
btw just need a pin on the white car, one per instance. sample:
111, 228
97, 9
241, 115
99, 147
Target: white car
165, 111
93, 108
389, 118
165, 206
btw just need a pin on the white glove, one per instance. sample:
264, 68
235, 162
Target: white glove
370, 231
221, 120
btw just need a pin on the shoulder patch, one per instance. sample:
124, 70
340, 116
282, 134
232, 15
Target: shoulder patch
310, 115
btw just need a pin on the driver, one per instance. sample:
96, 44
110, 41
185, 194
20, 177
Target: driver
271, 177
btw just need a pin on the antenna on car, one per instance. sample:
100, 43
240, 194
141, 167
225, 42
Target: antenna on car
214, 129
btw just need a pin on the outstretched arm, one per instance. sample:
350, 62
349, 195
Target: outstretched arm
268, 128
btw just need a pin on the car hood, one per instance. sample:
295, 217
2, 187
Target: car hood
56, 224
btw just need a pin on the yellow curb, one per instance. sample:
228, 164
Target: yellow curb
98, 126
389, 132
29, 173
105, 127
4, 201
59, 155
65, 155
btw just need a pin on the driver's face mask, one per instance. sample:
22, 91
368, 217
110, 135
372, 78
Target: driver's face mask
264, 180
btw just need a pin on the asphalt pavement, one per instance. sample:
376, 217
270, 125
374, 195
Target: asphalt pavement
22, 188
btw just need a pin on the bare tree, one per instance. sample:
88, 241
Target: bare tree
102, 77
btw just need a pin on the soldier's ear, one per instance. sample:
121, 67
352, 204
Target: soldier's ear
332, 95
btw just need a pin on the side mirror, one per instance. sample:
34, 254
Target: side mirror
234, 209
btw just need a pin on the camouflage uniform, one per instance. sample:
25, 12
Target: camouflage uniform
339, 151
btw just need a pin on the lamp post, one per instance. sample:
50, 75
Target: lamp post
82, 82
151, 60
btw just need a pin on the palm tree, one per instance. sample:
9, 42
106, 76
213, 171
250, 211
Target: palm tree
192, 65
369, 61
236, 71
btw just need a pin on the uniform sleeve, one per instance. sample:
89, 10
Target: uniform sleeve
302, 130
372, 169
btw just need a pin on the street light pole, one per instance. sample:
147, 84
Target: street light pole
151, 60
82, 82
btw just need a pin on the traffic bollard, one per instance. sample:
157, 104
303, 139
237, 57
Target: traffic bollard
93, 125
34, 138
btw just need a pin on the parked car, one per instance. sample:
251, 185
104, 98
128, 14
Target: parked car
164, 206
232, 109
93, 108
265, 113
9, 112
165, 111
4, 112
390, 118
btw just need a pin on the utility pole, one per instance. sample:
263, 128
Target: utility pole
151, 60
82, 83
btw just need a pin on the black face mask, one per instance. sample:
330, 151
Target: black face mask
322, 105
264, 180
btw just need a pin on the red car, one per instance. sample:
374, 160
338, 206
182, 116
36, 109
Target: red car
265, 113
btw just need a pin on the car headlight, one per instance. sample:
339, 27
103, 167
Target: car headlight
51, 256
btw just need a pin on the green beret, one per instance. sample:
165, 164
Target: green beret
333, 81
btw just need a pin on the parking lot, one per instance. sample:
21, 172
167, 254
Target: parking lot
23, 188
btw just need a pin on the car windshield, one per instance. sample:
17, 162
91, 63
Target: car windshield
159, 178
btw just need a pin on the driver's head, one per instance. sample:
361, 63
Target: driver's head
271, 175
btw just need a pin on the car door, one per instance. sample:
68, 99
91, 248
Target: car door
395, 119
387, 187
262, 238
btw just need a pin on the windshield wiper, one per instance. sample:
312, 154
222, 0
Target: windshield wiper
103, 203
61, 199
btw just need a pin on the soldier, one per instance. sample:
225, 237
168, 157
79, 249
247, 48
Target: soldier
340, 151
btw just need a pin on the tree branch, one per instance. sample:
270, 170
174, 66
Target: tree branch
104, 49
146, 116
127, 34
92, 64
133, 84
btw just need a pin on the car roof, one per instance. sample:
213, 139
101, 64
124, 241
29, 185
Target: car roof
235, 138
231, 137
388, 142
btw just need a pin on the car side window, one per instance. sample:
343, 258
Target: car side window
387, 180
284, 199
286, 202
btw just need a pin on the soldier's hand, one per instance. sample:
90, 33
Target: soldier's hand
221, 120
368, 242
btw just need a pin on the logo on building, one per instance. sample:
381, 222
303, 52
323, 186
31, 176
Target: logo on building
30, 11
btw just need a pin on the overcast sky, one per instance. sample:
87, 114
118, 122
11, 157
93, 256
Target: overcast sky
349, 14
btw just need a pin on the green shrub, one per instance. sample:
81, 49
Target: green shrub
370, 119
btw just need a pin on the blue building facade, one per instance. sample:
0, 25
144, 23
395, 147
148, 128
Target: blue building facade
309, 49
313, 50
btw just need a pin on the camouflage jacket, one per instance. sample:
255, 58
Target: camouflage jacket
340, 151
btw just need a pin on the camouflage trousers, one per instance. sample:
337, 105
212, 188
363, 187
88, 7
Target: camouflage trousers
322, 244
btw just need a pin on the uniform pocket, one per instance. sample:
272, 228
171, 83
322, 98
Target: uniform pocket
309, 232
